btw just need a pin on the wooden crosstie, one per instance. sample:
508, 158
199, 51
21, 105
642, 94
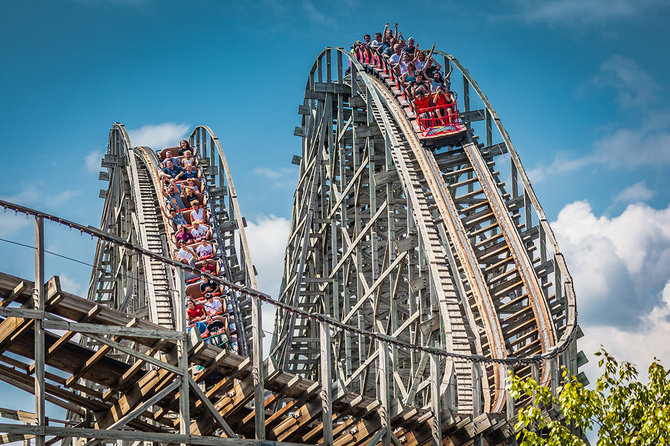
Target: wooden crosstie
143, 395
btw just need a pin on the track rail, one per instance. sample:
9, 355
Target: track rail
490, 251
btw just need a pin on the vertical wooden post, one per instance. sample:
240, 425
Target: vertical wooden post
435, 402
489, 129
509, 401
535, 375
476, 390
257, 370
38, 305
384, 394
326, 384
554, 374
466, 94
182, 348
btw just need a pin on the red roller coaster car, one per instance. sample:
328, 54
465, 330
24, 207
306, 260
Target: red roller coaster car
440, 125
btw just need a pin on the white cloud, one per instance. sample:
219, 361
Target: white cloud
621, 272
637, 192
619, 264
158, 136
638, 346
70, 285
92, 161
579, 13
267, 241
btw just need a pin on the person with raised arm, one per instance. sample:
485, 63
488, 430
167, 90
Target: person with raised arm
172, 196
443, 100
420, 81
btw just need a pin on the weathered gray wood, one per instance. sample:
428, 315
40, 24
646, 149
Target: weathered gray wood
38, 304
258, 371
212, 410
326, 379
112, 330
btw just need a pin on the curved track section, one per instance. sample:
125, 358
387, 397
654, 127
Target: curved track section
437, 248
134, 211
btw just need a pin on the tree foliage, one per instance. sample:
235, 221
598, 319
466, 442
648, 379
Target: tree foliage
621, 409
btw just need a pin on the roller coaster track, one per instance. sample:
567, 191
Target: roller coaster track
414, 281
455, 243
133, 211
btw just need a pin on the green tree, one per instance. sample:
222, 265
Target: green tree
622, 410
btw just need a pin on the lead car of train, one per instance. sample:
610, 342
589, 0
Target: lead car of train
436, 126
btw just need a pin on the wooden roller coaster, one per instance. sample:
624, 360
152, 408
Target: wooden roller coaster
416, 278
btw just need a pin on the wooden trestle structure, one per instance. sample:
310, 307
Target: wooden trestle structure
414, 281
145, 395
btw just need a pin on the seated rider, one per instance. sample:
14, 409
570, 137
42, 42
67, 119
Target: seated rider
421, 103
204, 249
215, 325
444, 100
173, 196
377, 43
168, 156
200, 231
420, 81
174, 171
200, 326
208, 285
177, 218
436, 81
190, 182
199, 214
194, 312
183, 235
208, 266
410, 48
186, 253
191, 172
409, 76
213, 306
184, 146
188, 159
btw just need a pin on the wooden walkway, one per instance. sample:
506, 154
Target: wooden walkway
133, 382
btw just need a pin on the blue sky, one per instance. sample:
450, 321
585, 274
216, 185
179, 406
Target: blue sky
580, 86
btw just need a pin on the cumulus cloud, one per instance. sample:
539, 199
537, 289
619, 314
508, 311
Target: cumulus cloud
639, 346
637, 192
158, 136
619, 264
621, 272
267, 238
92, 161
579, 13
